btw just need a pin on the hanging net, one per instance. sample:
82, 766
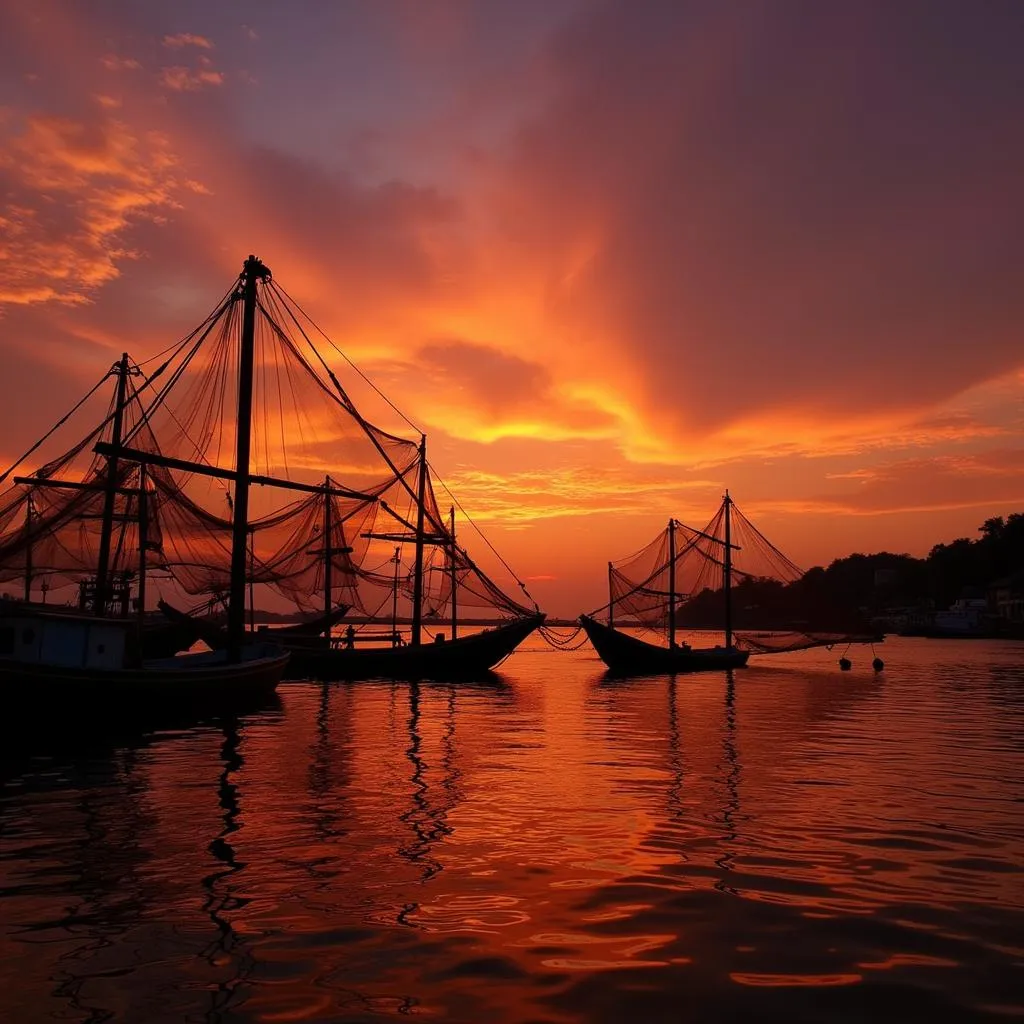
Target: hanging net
331, 498
774, 607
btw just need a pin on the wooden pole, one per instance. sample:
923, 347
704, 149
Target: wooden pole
394, 596
328, 557
728, 571
107, 525
671, 583
455, 583
417, 582
143, 540
253, 271
611, 599
28, 548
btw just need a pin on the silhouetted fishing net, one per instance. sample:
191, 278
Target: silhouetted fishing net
341, 493
772, 606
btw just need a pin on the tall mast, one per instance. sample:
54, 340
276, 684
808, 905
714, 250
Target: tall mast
728, 571
394, 596
417, 580
611, 599
455, 582
143, 541
28, 549
107, 526
253, 271
328, 557
671, 583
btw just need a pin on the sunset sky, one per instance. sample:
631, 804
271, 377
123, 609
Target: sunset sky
613, 257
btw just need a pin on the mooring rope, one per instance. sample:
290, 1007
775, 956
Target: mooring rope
563, 643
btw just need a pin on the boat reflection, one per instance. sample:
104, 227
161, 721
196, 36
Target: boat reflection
426, 817
222, 897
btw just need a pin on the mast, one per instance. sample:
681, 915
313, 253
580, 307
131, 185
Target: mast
107, 526
394, 596
417, 581
252, 580
671, 583
253, 271
727, 503
328, 556
143, 541
611, 599
455, 582
28, 549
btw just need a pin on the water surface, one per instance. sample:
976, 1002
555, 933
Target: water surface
789, 843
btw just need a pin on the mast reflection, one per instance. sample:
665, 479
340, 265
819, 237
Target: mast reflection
426, 818
221, 900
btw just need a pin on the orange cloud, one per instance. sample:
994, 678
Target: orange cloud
74, 188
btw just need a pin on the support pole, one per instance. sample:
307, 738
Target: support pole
252, 581
728, 571
417, 581
394, 596
143, 541
455, 582
672, 583
253, 271
107, 525
611, 599
328, 558
29, 510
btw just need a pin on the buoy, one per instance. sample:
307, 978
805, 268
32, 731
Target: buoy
845, 664
878, 664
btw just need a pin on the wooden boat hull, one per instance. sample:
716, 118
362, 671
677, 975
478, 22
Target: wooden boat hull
468, 657
628, 655
188, 678
215, 635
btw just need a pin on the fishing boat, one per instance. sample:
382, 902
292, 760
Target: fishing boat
689, 577
157, 500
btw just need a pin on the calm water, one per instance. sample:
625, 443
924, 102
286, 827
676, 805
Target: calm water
796, 844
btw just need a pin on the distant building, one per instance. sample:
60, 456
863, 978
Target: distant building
1006, 597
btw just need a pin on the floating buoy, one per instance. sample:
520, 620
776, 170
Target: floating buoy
845, 664
878, 664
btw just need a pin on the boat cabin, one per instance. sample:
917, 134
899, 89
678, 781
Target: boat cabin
64, 640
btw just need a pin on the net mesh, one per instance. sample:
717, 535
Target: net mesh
772, 607
358, 498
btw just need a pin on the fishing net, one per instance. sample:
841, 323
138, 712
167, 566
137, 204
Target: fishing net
332, 494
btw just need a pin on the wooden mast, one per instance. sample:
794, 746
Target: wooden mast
394, 596
728, 572
328, 556
417, 581
252, 271
671, 583
143, 541
28, 549
455, 583
611, 599
107, 526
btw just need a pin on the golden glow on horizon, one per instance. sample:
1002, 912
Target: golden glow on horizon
500, 298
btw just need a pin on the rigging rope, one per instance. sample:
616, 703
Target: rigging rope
563, 643
7, 472
481, 534
330, 342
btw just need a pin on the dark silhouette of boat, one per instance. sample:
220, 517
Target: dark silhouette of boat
626, 654
652, 585
156, 471
215, 635
468, 657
